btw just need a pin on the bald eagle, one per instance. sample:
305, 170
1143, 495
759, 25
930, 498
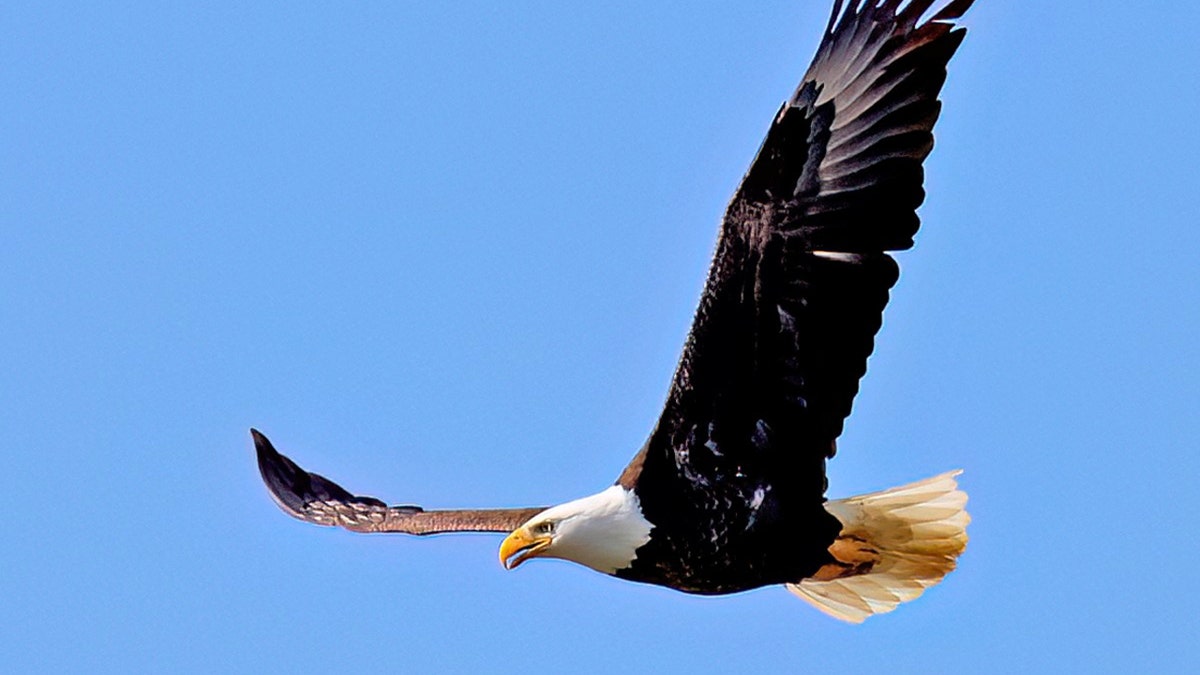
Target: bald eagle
728, 492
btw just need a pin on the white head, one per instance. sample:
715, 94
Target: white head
602, 531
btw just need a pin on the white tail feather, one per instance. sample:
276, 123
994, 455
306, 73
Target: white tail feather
913, 535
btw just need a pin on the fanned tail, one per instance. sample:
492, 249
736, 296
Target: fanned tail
894, 544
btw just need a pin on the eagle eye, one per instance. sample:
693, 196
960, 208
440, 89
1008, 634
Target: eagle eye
544, 527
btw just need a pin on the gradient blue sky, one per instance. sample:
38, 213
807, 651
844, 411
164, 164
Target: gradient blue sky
448, 255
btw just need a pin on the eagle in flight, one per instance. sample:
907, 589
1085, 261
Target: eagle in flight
728, 492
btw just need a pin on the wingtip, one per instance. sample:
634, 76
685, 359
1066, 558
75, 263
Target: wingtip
954, 10
261, 442
285, 481
270, 462
294, 489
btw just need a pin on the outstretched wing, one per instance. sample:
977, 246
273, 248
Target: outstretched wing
800, 276
316, 499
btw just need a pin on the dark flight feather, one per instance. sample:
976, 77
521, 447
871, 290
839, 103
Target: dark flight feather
793, 301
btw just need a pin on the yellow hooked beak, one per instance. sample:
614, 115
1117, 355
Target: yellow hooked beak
522, 544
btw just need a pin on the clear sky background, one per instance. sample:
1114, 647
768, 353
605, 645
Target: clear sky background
448, 255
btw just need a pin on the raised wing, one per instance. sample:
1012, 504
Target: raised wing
318, 500
800, 277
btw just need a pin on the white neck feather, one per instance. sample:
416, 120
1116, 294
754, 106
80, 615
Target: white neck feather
602, 531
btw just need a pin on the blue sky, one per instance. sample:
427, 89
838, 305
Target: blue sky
448, 256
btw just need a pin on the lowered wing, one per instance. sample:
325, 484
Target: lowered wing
318, 500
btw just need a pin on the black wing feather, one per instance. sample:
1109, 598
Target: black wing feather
801, 275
